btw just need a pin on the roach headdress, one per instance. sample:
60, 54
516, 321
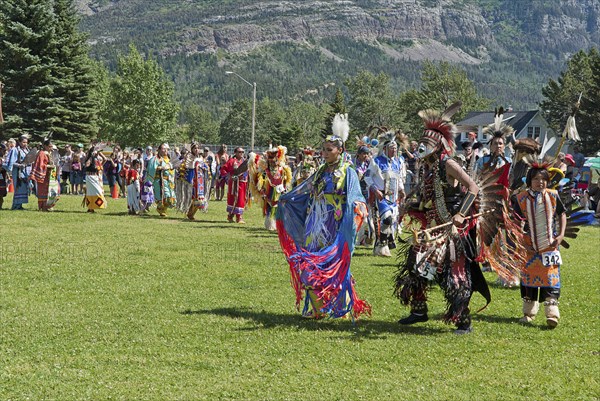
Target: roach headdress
439, 129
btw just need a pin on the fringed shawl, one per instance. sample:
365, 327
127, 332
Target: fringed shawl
327, 270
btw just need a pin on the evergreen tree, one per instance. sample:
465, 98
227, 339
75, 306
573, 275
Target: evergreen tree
26, 67
270, 122
236, 127
44, 64
141, 108
291, 137
581, 76
99, 93
309, 119
589, 121
74, 81
202, 126
371, 102
443, 84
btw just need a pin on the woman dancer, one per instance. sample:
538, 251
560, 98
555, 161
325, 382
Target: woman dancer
317, 224
94, 188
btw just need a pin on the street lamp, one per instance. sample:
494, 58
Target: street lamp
253, 85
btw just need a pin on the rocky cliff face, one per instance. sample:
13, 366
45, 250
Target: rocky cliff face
268, 22
455, 30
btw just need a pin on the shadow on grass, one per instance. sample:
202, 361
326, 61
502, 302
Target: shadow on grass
494, 318
495, 284
260, 232
124, 213
392, 263
365, 328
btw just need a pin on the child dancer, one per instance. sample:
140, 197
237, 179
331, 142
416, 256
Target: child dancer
541, 210
133, 187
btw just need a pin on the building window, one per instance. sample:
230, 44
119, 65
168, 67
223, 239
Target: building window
533, 132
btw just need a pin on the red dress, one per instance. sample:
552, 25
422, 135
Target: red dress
236, 187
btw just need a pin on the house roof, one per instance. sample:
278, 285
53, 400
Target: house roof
517, 119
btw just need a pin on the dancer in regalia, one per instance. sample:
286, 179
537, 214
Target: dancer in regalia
192, 183
361, 165
317, 223
305, 167
545, 222
385, 179
237, 170
132, 180
270, 177
448, 257
16, 163
94, 188
44, 174
160, 173
497, 158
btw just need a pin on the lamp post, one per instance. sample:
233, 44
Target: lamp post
253, 85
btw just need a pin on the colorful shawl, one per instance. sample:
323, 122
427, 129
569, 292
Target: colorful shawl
326, 270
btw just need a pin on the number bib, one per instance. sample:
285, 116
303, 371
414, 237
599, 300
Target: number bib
551, 258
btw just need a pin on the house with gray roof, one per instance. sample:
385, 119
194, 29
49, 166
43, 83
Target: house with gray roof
527, 124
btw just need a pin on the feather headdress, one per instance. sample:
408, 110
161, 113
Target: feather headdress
340, 128
546, 145
439, 128
386, 138
308, 151
499, 129
279, 153
47, 139
527, 146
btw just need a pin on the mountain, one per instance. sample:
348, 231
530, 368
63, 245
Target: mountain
296, 49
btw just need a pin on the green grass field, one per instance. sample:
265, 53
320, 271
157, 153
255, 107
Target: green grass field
111, 306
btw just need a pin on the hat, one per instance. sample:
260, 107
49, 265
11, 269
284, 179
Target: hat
149, 147
80, 145
363, 149
569, 160
206, 148
466, 144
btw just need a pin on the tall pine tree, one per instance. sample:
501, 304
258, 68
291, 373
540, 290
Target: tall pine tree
581, 76
26, 67
73, 77
45, 67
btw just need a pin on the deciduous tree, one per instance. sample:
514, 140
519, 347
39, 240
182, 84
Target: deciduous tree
141, 108
46, 70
